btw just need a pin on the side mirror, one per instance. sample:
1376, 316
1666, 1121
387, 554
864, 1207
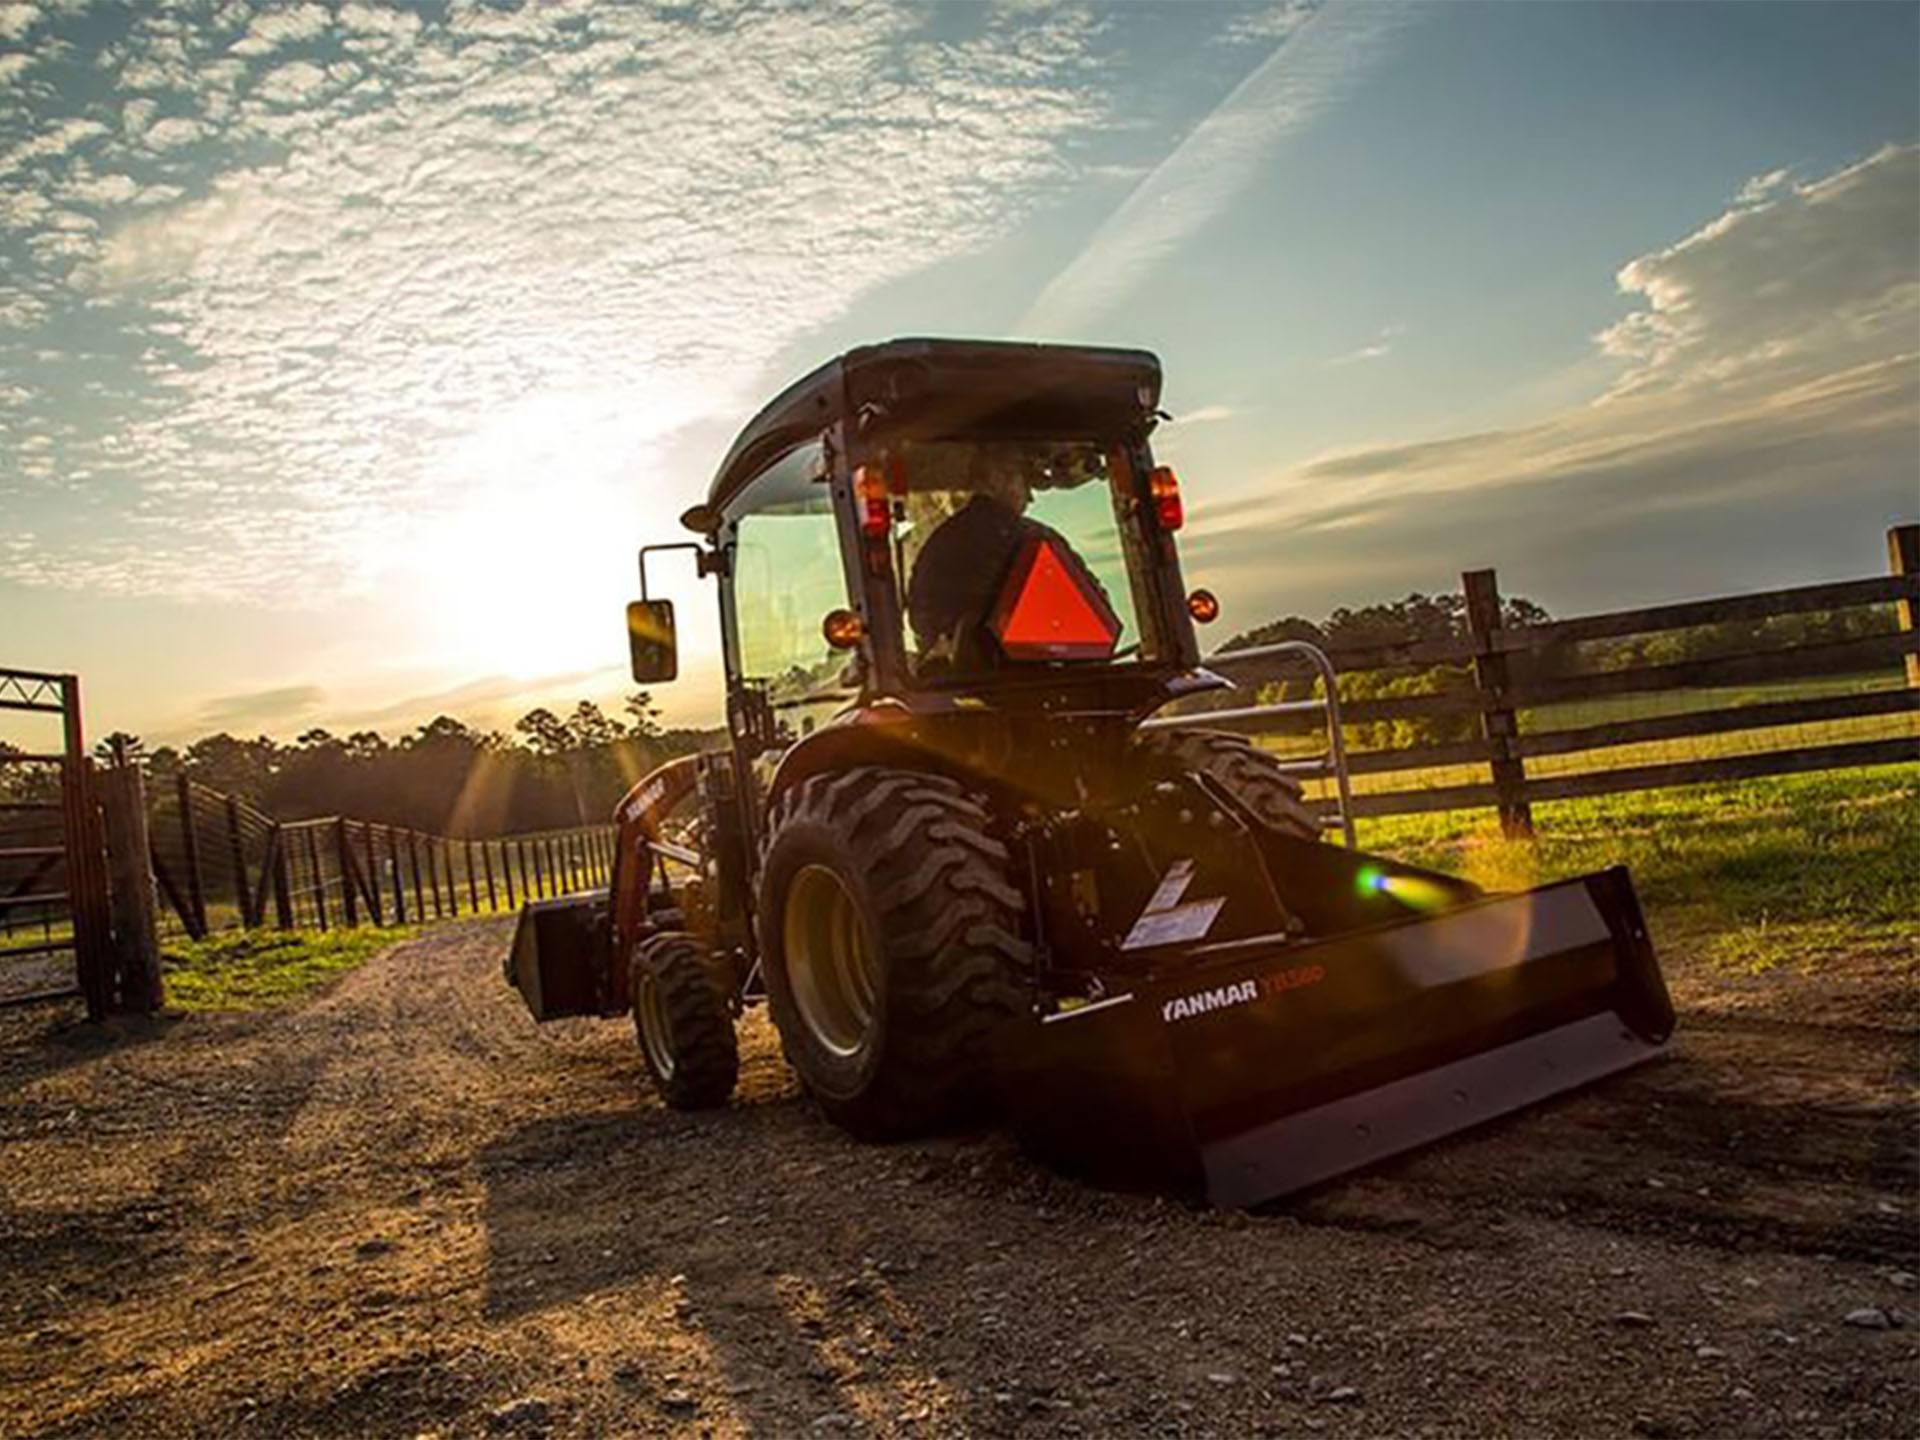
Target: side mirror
650, 641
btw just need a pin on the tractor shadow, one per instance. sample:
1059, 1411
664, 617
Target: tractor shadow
753, 1253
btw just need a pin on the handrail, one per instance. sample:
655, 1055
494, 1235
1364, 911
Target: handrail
1333, 764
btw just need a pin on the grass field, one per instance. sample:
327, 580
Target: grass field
249, 969
1756, 873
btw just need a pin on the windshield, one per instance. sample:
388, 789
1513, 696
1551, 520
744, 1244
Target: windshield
991, 534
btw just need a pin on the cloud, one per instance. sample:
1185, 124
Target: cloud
1314, 68
1768, 396
272, 29
413, 271
1793, 281
488, 697
1205, 414
261, 707
174, 131
1269, 23
17, 19
1376, 351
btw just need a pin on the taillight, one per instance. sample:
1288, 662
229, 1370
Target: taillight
876, 506
1164, 487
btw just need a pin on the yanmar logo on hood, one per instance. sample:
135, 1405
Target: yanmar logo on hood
1221, 997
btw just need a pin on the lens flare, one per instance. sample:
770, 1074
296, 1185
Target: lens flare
1410, 890
1414, 892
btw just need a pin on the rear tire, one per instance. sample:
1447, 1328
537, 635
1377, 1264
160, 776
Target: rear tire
892, 936
681, 1019
1249, 774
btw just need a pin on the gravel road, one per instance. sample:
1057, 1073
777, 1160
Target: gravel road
401, 1208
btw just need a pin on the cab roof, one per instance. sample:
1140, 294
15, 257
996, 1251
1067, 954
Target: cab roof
935, 387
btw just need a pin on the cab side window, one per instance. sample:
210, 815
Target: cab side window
787, 575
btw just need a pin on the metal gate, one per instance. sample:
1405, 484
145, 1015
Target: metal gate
55, 926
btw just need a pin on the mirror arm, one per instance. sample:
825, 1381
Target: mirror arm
706, 562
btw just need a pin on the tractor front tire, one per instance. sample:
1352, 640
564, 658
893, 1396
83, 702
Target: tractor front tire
892, 935
1249, 774
681, 1019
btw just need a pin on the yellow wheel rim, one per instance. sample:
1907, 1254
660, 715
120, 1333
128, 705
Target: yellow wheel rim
830, 961
655, 1037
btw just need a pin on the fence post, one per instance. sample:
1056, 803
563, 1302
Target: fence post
136, 941
319, 876
86, 878
473, 880
376, 901
349, 901
1497, 721
399, 880
282, 890
236, 847
1903, 558
486, 860
538, 888
413, 862
190, 849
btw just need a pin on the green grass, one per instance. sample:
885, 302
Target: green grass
249, 969
1577, 714
1755, 874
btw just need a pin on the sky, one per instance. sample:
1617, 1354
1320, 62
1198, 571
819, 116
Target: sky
348, 351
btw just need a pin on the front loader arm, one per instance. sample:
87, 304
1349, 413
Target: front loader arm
641, 843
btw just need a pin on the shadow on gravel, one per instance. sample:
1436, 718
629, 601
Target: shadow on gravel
39, 1041
773, 1247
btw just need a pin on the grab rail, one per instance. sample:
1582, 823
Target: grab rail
1332, 765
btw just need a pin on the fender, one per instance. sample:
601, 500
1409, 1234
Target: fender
884, 733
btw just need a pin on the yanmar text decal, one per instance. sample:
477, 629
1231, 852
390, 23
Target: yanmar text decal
1201, 1002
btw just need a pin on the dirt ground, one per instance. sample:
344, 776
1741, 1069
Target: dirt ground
403, 1209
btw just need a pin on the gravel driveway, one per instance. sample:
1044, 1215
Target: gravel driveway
402, 1208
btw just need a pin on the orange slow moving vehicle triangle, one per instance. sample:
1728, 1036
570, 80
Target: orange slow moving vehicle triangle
1051, 609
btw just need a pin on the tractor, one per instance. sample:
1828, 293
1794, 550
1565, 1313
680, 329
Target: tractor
954, 844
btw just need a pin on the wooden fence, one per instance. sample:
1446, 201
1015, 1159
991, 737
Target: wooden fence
1510, 684
220, 863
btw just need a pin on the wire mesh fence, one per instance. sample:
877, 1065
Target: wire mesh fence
220, 864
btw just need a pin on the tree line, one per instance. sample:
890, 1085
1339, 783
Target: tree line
1444, 617
550, 771
560, 769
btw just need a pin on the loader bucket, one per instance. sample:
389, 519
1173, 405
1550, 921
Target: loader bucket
1265, 1069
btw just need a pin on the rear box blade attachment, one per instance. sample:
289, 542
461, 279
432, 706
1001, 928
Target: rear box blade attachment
1252, 1077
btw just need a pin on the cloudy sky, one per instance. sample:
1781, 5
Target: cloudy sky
347, 351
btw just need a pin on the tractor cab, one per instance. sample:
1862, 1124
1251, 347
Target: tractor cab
940, 525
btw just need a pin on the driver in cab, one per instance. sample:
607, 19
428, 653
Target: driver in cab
961, 574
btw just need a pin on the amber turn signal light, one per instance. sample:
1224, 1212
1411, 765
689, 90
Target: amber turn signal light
1204, 606
842, 629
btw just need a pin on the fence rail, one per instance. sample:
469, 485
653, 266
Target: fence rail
1507, 679
221, 863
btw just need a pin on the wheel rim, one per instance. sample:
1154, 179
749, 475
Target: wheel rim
651, 1012
830, 961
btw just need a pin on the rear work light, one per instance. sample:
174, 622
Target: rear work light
876, 504
1164, 486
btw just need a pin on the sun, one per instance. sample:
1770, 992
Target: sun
526, 563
